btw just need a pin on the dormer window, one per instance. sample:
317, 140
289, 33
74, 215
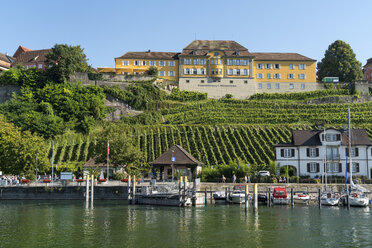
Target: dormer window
237, 52
332, 137
216, 54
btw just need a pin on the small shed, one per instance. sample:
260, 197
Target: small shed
176, 159
92, 163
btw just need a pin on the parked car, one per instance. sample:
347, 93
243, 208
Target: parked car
264, 173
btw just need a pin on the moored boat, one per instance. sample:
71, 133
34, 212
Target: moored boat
238, 194
219, 197
329, 199
280, 196
301, 197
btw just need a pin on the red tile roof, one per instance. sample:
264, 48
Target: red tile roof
21, 49
149, 55
203, 47
32, 56
280, 57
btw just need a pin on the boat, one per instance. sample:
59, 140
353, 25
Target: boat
329, 199
301, 197
219, 197
357, 196
262, 198
280, 196
238, 194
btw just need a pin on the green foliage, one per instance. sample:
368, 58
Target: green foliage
237, 167
95, 76
301, 96
184, 95
340, 61
228, 96
23, 77
152, 71
65, 60
139, 96
118, 175
18, 151
68, 166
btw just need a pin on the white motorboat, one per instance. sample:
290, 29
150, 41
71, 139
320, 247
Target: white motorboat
329, 199
219, 197
357, 197
238, 194
301, 197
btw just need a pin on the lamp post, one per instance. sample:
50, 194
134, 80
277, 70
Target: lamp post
37, 154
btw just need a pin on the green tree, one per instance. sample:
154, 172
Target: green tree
152, 71
18, 151
340, 61
65, 60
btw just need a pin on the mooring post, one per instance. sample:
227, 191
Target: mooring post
211, 194
269, 199
134, 190
255, 201
86, 191
205, 196
292, 201
319, 203
246, 198
226, 194
184, 190
129, 191
92, 193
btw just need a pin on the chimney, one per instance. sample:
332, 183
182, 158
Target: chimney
148, 51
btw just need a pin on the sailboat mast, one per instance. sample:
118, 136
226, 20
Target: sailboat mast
348, 160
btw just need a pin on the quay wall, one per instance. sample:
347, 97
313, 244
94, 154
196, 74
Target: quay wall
62, 193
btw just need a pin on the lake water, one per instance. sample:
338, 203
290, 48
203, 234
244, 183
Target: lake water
116, 224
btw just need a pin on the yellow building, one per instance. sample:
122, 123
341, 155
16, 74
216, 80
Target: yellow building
220, 67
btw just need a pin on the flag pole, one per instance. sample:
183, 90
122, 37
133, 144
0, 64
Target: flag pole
108, 154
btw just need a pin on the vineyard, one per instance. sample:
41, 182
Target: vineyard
210, 144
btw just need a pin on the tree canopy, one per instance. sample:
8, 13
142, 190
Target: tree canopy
65, 60
340, 61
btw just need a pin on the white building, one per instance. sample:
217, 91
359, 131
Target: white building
311, 150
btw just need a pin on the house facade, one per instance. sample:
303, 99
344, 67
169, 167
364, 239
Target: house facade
30, 58
313, 151
367, 70
220, 67
5, 62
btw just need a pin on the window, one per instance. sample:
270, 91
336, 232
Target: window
313, 168
267, 66
144, 62
212, 71
259, 66
186, 61
302, 66
260, 75
245, 62
136, 62
237, 62
202, 71
331, 137
125, 62
187, 81
40, 66
237, 71
291, 66
245, 72
195, 61
229, 62
312, 152
303, 86
230, 72
333, 167
162, 73
171, 63
260, 85
161, 63
291, 86
302, 76
355, 167
187, 71
171, 73
201, 61
332, 153
291, 76
152, 63
277, 75
276, 66
194, 71
354, 152
231, 81
220, 71
287, 153
268, 75
216, 54
277, 86
268, 86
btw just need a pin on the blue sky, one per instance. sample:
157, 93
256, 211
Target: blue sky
108, 29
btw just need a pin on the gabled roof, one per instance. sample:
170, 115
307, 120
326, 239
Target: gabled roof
369, 61
20, 50
149, 55
181, 155
203, 47
280, 57
312, 137
32, 56
5, 60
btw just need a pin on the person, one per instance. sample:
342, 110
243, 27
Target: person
284, 179
223, 179
249, 179
245, 179
280, 180
234, 178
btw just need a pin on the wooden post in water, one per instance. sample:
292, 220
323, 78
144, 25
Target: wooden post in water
205, 196
211, 194
246, 198
269, 199
129, 191
134, 191
255, 197
292, 201
184, 190
86, 191
319, 203
226, 194
92, 192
